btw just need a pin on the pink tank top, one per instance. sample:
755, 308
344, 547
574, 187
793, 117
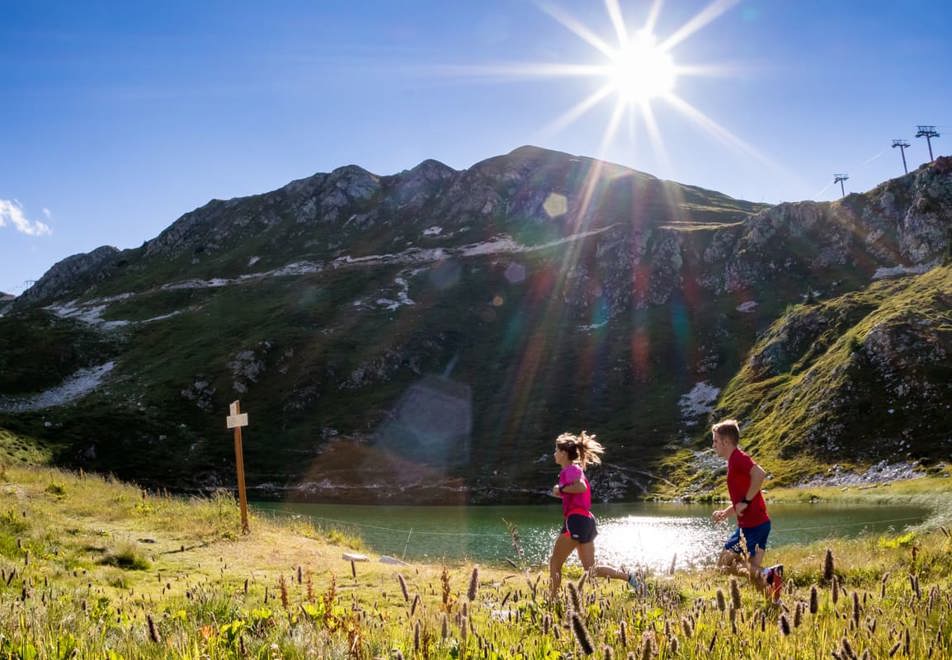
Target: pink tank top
575, 502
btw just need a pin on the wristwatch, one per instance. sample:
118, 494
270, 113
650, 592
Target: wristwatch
745, 501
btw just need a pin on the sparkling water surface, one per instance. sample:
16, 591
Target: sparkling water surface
630, 534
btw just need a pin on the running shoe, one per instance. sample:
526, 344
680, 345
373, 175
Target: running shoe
774, 580
636, 585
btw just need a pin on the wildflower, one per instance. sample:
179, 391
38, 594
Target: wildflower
403, 587
721, 603
814, 600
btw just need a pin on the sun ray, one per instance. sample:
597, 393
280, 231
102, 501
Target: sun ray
576, 111
716, 130
654, 136
618, 21
579, 29
653, 14
612, 127
710, 70
520, 71
701, 19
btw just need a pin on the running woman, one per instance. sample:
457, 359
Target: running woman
574, 453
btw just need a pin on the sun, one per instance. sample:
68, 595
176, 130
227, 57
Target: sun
635, 71
640, 71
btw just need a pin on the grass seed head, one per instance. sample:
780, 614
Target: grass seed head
784, 624
735, 594
473, 584
153, 631
646, 650
828, 566
581, 634
574, 597
403, 587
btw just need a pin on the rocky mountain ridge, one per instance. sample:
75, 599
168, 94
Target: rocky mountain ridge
552, 291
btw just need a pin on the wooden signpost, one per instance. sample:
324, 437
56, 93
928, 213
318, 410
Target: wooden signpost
235, 420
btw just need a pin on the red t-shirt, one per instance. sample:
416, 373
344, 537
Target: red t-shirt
739, 465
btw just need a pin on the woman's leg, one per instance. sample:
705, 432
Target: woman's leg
564, 545
586, 554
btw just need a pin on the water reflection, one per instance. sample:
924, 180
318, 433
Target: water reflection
630, 534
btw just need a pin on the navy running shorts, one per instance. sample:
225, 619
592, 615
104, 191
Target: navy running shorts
580, 528
756, 537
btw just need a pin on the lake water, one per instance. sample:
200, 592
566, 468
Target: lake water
631, 534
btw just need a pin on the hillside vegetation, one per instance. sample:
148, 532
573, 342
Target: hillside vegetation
460, 320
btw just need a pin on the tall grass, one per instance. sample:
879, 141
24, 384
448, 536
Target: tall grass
190, 586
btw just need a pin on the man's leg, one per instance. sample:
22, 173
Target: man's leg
755, 571
732, 562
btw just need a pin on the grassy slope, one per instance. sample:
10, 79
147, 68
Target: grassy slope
810, 393
85, 561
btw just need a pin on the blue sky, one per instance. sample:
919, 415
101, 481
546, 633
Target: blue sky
118, 117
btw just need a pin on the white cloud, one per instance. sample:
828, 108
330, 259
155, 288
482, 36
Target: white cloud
11, 212
47, 213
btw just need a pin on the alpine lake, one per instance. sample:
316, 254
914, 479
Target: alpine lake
630, 534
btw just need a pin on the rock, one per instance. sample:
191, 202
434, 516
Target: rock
71, 274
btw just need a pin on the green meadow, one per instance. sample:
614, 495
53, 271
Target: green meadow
92, 567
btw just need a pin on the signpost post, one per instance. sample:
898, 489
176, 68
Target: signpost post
235, 420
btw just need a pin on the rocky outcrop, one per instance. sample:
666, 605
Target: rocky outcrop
6, 301
72, 274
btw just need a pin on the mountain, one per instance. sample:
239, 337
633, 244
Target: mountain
6, 301
424, 336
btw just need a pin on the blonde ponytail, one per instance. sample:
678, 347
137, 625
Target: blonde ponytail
583, 448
